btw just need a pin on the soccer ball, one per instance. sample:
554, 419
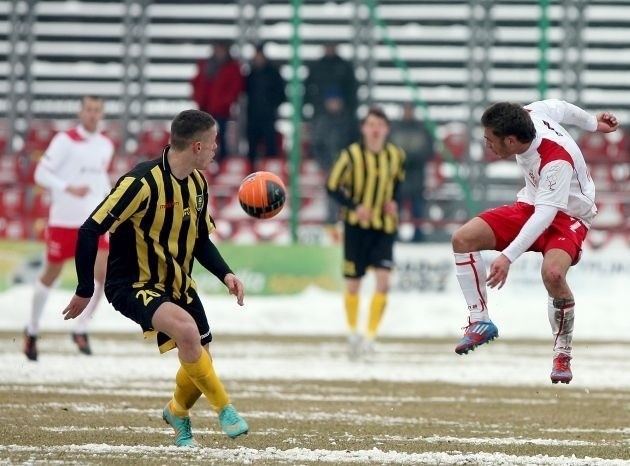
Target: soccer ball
262, 194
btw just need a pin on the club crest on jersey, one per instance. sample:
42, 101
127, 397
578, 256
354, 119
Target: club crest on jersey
199, 200
532, 177
552, 179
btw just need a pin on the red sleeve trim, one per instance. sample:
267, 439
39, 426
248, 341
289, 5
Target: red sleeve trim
550, 151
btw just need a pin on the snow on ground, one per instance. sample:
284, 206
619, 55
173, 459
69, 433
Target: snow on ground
599, 360
430, 322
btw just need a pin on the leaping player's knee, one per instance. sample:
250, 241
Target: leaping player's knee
474, 235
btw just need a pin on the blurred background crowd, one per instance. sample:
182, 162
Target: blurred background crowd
288, 83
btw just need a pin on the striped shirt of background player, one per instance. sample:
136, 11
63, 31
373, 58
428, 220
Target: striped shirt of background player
360, 176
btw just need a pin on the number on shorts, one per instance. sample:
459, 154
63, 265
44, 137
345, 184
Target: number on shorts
575, 225
147, 296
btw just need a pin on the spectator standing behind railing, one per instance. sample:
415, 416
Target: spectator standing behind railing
331, 90
265, 89
412, 135
216, 88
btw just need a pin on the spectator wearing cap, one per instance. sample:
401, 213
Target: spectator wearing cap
265, 90
216, 88
330, 90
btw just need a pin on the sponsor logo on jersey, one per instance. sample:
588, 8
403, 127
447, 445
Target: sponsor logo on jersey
169, 205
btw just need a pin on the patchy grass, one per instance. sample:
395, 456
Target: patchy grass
316, 422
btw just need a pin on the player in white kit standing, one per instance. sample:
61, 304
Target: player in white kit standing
74, 169
552, 215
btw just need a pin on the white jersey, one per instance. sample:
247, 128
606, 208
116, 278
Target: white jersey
553, 166
75, 157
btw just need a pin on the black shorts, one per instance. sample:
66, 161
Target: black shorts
364, 248
139, 305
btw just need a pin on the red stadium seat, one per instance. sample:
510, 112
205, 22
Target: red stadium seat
4, 135
232, 172
40, 204
14, 228
38, 136
9, 169
120, 165
115, 132
605, 147
455, 140
276, 165
12, 203
152, 139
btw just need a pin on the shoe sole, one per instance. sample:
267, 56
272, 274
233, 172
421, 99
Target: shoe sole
561, 380
237, 435
473, 346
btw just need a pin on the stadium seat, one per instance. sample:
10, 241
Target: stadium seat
232, 172
152, 139
605, 147
4, 135
12, 203
9, 169
40, 204
276, 165
115, 132
120, 165
455, 140
14, 228
38, 136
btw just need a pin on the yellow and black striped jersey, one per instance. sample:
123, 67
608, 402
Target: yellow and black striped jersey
154, 220
360, 176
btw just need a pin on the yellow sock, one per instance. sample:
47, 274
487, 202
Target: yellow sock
202, 374
352, 310
186, 394
377, 309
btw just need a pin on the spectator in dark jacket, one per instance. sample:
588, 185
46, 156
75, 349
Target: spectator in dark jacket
265, 89
331, 73
216, 88
331, 90
413, 136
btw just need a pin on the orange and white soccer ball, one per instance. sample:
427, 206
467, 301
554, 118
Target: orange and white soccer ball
262, 194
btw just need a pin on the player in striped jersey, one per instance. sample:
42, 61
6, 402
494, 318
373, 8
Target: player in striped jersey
366, 180
158, 219
552, 215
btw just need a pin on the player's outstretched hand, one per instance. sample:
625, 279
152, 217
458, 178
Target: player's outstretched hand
75, 307
235, 287
607, 122
498, 272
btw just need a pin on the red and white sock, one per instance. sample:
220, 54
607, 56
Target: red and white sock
471, 275
561, 314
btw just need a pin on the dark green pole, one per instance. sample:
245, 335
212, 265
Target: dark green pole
543, 47
296, 120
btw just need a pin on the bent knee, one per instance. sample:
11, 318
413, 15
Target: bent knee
463, 241
475, 235
553, 275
